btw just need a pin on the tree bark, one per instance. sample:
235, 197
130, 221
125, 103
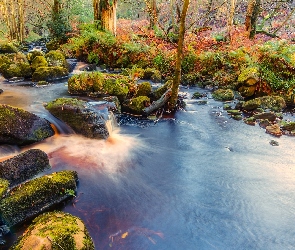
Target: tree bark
231, 15
179, 56
252, 13
105, 12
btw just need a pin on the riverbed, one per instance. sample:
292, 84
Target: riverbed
200, 180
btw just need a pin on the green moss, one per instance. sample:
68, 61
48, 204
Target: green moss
223, 95
234, 112
274, 103
144, 89
32, 197
56, 58
49, 73
289, 126
137, 104
39, 61
7, 48
247, 73
57, 229
161, 90
104, 84
31, 55
196, 95
4, 184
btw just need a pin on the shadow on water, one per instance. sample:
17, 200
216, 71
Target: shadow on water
198, 181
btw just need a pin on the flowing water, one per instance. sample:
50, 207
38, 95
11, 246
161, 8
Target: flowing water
198, 181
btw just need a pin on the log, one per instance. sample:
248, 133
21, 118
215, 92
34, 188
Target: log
159, 103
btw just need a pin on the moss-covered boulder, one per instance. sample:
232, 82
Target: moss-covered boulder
56, 58
100, 84
7, 48
144, 89
15, 65
39, 61
223, 95
83, 118
4, 184
19, 127
136, 105
274, 103
197, 95
157, 93
55, 230
31, 198
152, 74
24, 166
31, 55
49, 73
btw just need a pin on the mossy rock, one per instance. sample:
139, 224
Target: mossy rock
247, 91
56, 58
144, 89
249, 76
152, 74
19, 127
49, 73
80, 116
101, 84
31, 198
7, 48
4, 184
31, 55
197, 95
190, 79
234, 112
274, 103
136, 105
55, 230
161, 90
223, 95
250, 121
39, 61
289, 126
24, 166
15, 65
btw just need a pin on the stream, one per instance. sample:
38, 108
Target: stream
200, 180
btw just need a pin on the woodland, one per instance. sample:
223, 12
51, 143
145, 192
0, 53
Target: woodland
138, 55
247, 45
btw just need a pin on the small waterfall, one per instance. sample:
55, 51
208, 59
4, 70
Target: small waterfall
111, 122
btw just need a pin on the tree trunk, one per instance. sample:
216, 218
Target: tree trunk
179, 56
252, 13
105, 13
154, 14
231, 15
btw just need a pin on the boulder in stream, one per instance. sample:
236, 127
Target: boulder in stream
82, 117
24, 166
31, 198
55, 230
20, 127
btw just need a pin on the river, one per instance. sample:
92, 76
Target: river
200, 180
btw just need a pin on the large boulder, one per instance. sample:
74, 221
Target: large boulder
24, 166
223, 95
55, 230
248, 80
56, 58
7, 48
274, 103
31, 198
49, 73
82, 117
100, 84
15, 65
20, 127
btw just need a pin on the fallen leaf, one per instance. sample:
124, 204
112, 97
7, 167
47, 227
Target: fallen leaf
124, 235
